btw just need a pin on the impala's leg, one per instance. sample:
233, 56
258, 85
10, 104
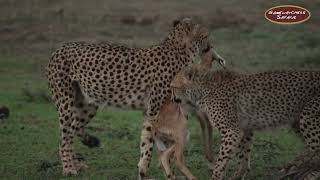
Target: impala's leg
206, 134
165, 162
178, 154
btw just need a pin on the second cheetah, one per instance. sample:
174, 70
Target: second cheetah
239, 104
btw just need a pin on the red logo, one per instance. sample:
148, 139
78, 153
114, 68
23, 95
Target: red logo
287, 14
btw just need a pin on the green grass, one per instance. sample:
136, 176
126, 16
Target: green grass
29, 139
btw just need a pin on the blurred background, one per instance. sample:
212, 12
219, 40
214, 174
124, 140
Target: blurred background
31, 30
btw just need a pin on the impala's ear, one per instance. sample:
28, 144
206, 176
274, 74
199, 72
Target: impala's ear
217, 57
175, 23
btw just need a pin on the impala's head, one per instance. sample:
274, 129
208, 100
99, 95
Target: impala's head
208, 57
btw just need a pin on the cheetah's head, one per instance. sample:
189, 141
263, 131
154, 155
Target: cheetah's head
187, 83
196, 81
186, 33
195, 37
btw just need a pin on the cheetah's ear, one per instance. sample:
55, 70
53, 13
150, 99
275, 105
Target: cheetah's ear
175, 22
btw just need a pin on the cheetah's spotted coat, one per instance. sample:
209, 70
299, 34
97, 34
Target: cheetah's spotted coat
240, 104
84, 76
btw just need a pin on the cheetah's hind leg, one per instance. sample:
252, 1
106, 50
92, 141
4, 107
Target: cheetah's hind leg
84, 113
306, 166
64, 97
309, 124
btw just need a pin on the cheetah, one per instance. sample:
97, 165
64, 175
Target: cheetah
170, 135
84, 76
239, 104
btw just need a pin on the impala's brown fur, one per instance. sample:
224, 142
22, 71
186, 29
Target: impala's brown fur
170, 134
170, 129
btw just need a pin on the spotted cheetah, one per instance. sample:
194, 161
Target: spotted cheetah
239, 104
84, 76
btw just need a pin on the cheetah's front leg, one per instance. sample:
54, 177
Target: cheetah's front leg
146, 141
66, 153
146, 145
244, 156
228, 149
